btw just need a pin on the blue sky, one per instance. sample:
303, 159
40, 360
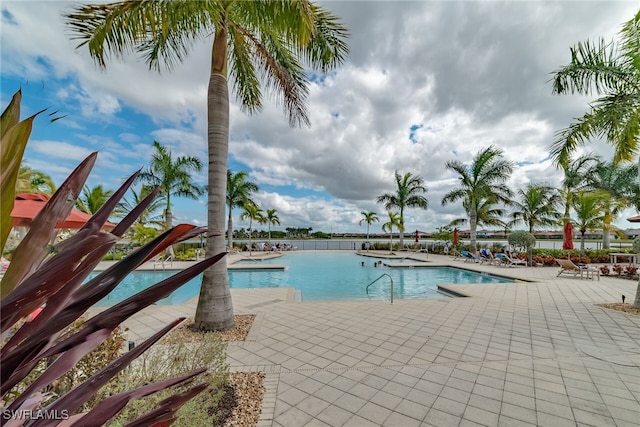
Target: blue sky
425, 82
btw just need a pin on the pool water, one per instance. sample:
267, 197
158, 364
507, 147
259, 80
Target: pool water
320, 277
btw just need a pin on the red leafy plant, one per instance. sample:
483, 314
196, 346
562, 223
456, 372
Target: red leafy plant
605, 270
52, 277
618, 269
630, 270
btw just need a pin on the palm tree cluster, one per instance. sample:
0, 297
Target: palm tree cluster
239, 192
596, 191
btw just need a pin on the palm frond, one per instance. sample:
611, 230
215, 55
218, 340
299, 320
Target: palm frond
162, 31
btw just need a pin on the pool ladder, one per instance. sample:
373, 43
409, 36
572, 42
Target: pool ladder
390, 278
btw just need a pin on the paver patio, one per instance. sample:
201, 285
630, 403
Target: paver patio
517, 354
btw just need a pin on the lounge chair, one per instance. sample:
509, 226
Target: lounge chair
507, 260
468, 256
489, 258
568, 267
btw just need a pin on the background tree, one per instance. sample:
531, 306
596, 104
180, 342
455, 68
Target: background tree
368, 217
408, 194
92, 199
575, 176
484, 180
150, 216
612, 71
588, 207
252, 212
617, 185
251, 41
174, 177
394, 221
272, 219
538, 207
239, 191
34, 181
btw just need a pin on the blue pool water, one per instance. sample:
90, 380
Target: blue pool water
320, 277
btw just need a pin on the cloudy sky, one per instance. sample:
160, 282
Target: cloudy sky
425, 82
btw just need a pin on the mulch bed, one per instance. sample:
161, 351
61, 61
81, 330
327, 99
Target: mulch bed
186, 331
241, 404
627, 308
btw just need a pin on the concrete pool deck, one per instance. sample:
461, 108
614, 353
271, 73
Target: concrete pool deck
539, 353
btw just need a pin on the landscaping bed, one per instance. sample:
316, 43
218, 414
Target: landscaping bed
241, 403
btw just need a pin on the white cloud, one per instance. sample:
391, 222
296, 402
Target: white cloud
466, 74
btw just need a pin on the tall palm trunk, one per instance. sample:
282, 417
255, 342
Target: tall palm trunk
473, 223
401, 230
215, 307
368, 244
230, 229
250, 239
606, 229
168, 219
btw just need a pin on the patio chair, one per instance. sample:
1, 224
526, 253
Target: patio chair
507, 260
468, 256
487, 257
568, 267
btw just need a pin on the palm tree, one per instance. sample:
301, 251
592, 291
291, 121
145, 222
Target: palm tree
617, 186
588, 206
239, 192
394, 221
172, 176
149, 216
576, 172
252, 212
481, 182
34, 181
251, 41
272, 219
368, 217
92, 199
409, 194
612, 71
538, 206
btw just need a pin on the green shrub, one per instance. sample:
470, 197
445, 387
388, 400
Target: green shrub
521, 239
170, 360
188, 255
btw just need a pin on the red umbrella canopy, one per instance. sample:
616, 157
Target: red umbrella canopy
568, 236
417, 237
455, 236
27, 206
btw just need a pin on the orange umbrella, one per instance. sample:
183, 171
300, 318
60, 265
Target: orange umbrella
417, 236
455, 236
27, 206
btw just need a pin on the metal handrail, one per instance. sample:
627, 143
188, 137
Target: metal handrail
390, 278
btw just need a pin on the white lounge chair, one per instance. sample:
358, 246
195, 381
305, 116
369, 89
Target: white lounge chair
507, 260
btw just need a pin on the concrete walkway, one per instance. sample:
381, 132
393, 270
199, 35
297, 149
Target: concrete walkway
518, 354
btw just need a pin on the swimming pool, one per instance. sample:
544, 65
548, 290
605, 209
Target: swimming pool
320, 277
